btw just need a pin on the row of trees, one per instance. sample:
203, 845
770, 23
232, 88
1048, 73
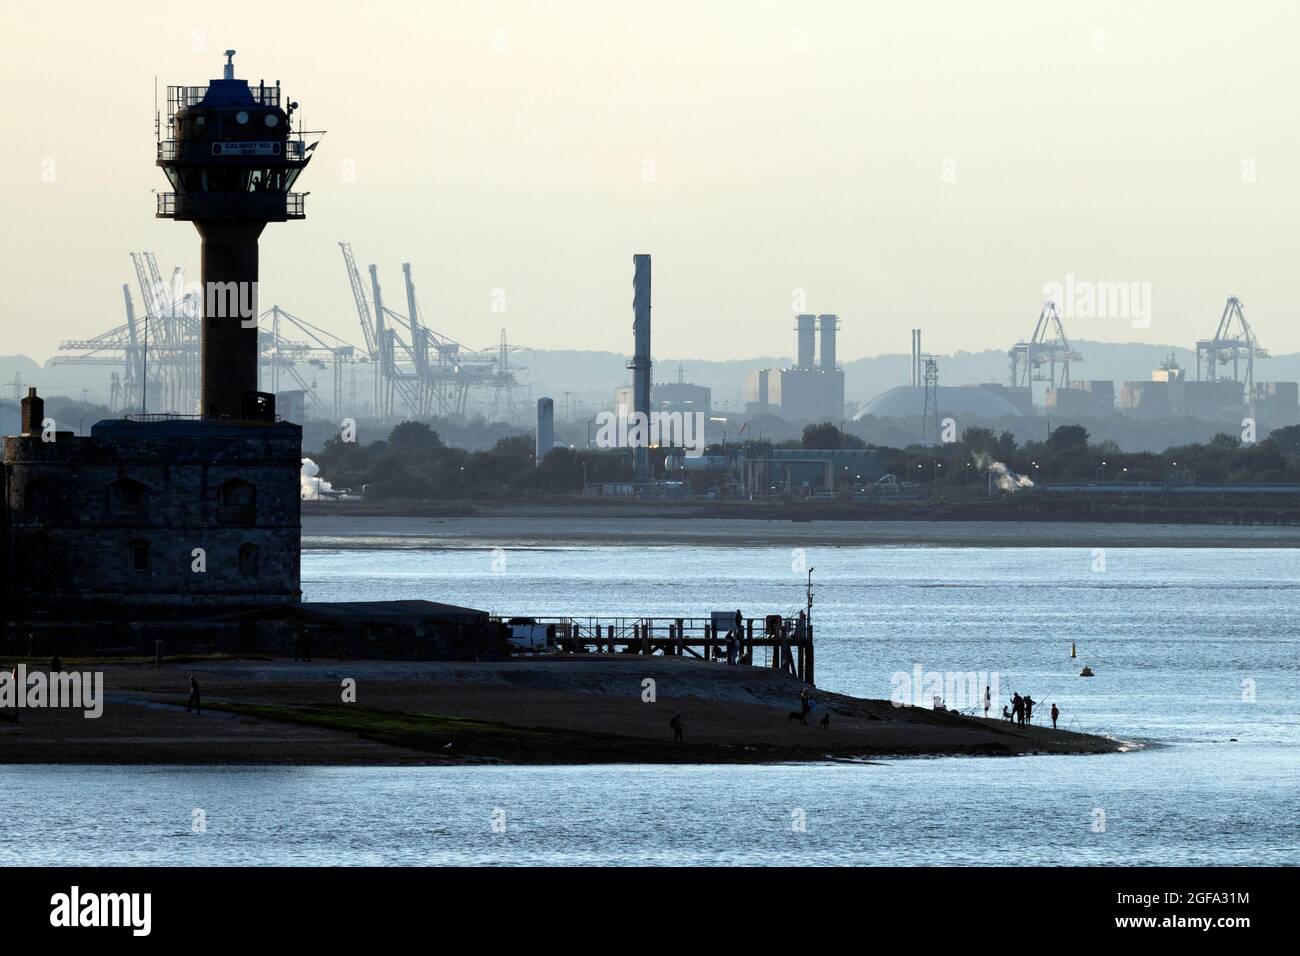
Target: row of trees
414, 463
1068, 455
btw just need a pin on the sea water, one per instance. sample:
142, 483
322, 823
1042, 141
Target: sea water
1196, 654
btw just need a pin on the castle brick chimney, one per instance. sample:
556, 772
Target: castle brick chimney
33, 412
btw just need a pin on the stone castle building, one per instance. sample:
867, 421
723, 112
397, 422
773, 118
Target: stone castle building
184, 514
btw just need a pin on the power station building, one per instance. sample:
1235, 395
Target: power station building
1087, 399
812, 390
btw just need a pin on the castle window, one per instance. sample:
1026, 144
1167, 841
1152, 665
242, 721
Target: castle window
34, 498
238, 503
39, 564
248, 560
126, 497
139, 555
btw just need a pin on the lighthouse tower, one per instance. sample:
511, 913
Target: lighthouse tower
232, 158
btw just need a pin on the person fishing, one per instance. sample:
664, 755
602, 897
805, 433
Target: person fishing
988, 701
1029, 709
1018, 709
1055, 713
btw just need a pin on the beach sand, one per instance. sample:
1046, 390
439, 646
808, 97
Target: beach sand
560, 710
539, 526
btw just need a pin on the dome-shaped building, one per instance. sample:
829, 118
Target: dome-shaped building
908, 401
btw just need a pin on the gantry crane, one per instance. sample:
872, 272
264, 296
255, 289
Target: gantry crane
280, 354
1047, 346
158, 354
1234, 342
417, 370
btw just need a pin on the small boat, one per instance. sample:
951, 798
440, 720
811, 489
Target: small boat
1086, 672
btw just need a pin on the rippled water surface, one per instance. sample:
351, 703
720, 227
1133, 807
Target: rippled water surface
1192, 648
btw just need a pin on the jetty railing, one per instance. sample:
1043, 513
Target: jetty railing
783, 643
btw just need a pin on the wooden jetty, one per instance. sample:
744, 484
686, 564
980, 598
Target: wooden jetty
783, 643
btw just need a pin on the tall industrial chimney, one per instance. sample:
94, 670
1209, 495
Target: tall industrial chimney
806, 341
640, 364
828, 324
231, 158
545, 428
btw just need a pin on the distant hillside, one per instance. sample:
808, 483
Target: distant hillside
591, 377
586, 380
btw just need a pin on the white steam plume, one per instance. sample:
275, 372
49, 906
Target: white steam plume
1003, 477
310, 482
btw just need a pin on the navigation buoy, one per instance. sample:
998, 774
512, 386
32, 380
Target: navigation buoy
1072, 654
1086, 672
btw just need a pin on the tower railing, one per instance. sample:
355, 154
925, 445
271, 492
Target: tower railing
272, 206
295, 151
181, 97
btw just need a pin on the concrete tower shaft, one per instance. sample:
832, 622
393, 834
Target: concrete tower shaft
231, 156
806, 326
827, 324
229, 352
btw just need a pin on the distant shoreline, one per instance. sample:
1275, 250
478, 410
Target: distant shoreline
490, 526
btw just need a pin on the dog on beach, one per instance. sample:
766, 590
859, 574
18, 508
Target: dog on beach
799, 716
826, 722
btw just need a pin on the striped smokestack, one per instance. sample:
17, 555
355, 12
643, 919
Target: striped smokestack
640, 364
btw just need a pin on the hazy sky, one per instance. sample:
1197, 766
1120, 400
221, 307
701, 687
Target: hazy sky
906, 164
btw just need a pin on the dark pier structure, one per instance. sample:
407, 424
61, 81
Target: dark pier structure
179, 531
781, 643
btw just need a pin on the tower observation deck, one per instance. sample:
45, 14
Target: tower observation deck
232, 158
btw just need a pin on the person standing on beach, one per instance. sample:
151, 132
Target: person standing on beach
194, 696
1055, 713
677, 725
13, 675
